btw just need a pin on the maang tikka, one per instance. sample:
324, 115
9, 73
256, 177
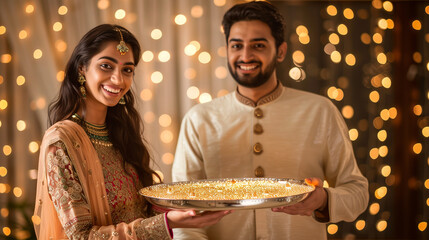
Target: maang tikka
82, 80
121, 47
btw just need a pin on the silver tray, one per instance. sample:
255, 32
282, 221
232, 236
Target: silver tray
214, 205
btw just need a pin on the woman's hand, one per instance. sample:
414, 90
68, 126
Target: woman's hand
189, 219
316, 200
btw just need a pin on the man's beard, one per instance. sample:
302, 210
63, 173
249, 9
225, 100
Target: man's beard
258, 80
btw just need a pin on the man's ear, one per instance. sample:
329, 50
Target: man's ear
281, 52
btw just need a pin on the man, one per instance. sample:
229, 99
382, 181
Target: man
266, 130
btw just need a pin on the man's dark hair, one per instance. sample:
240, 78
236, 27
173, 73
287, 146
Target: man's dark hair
262, 11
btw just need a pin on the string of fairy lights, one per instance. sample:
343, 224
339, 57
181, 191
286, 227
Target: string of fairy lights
370, 131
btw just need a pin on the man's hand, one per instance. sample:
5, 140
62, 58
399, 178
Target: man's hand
316, 200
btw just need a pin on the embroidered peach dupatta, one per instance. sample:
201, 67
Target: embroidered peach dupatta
88, 167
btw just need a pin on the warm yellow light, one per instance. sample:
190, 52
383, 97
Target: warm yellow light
6, 231
190, 50
37, 54
353, 134
190, 73
159, 178
193, 92
167, 158
3, 104
374, 96
360, 225
348, 13
62, 10
1, 79
147, 56
342, 29
377, 4
7, 150
382, 58
386, 170
417, 57
386, 82
427, 184
417, 109
2, 30
373, 153
380, 192
3, 171
60, 45
22, 34
329, 48
146, 94
382, 23
382, 135
336, 57
334, 38
365, 38
21, 125
156, 34
20, 80
425, 131
383, 151
196, 44
347, 111
374, 208
393, 112
331, 10
340, 95
57, 26
103, 4
302, 31
35, 219
219, 3
295, 73
417, 148
221, 72
325, 184
17, 191
417, 25
332, 92
298, 57
4, 212
164, 56
166, 136
33, 147
205, 97
164, 120
304, 39
180, 19
149, 117
29, 8
422, 226
204, 57
390, 23
332, 228
381, 225
156, 77
6, 58
197, 11
120, 14
384, 114
377, 38
350, 59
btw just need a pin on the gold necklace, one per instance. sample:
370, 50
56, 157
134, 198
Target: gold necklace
98, 134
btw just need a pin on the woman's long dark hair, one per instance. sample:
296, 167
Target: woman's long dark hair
123, 121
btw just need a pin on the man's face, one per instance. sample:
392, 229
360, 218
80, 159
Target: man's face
252, 56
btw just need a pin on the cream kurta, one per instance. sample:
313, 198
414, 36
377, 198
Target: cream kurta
304, 135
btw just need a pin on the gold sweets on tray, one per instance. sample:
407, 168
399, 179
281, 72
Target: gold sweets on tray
221, 194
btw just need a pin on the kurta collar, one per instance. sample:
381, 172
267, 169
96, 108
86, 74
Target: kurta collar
273, 95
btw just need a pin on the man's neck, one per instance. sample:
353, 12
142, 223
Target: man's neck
257, 93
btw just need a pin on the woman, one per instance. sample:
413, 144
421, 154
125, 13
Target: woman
93, 160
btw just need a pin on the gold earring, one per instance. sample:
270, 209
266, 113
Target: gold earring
82, 80
122, 101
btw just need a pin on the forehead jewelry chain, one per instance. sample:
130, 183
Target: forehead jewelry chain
122, 48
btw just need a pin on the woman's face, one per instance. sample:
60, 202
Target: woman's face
108, 77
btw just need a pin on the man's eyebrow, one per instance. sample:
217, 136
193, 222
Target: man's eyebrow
115, 61
252, 40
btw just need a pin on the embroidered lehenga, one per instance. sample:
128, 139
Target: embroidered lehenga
84, 191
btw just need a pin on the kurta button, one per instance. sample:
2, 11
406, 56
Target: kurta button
259, 172
257, 129
257, 148
258, 113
